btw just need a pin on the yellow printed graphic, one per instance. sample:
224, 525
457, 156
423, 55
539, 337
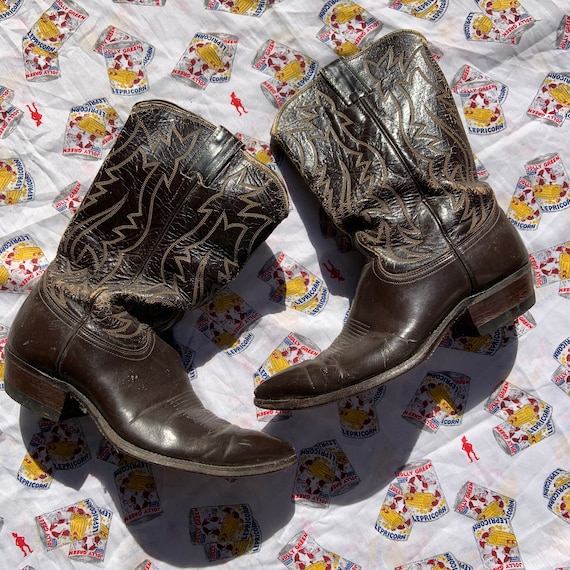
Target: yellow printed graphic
46, 28
7, 177
3, 7
242, 6
479, 115
223, 303
477, 343
354, 417
263, 156
39, 51
345, 49
291, 71
321, 469
561, 94
34, 470
241, 547
344, 14
498, 537
319, 565
78, 525
536, 437
225, 340
442, 398
498, 5
294, 287
140, 482
125, 78
392, 519
4, 275
62, 449
561, 481
104, 533
525, 415
520, 210
277, 362
27, 252
491, 510
550, 193
112, 114
14, 196
210, 55
421, 501
232, 525
483, 24
91, 125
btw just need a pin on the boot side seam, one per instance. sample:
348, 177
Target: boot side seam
124, 352
452, 249
73, 324
216, 153
491, 221
77, 328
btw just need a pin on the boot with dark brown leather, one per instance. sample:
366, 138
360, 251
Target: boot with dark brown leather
378, 139
174, 213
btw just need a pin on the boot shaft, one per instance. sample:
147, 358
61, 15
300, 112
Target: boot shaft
174, 213
378, 138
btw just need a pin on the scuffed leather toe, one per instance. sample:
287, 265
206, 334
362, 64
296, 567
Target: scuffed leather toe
281, 390
265, 452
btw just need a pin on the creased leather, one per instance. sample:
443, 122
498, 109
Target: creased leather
378, 139
173, 216
174, 213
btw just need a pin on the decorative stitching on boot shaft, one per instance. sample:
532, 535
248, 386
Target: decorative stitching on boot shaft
393, 169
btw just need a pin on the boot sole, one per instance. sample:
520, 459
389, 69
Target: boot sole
57, 400
477, 315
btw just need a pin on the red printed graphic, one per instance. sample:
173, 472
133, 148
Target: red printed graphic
236, 102
468, 448
333, 271
35, 114
21, 543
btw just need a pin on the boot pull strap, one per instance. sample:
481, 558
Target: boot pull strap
216, 152
342, 79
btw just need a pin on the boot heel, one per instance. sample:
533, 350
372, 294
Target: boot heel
37, 391
498, 306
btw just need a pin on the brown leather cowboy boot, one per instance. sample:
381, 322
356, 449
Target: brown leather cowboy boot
378, 139
173, 214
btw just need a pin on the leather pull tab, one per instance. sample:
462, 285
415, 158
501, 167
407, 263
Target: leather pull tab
342, 79
219, 149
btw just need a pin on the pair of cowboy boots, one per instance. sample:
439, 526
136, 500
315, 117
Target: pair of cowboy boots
178, 208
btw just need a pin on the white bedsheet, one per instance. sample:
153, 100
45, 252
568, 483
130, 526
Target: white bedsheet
224, 382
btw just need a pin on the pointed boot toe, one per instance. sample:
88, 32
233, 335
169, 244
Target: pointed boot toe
141, 399
263, 453
223, 449
290, 388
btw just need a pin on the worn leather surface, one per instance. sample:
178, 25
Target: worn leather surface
378, 139
380, 142
174, 213
171, 217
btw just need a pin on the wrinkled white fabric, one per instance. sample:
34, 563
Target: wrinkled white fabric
225, 383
